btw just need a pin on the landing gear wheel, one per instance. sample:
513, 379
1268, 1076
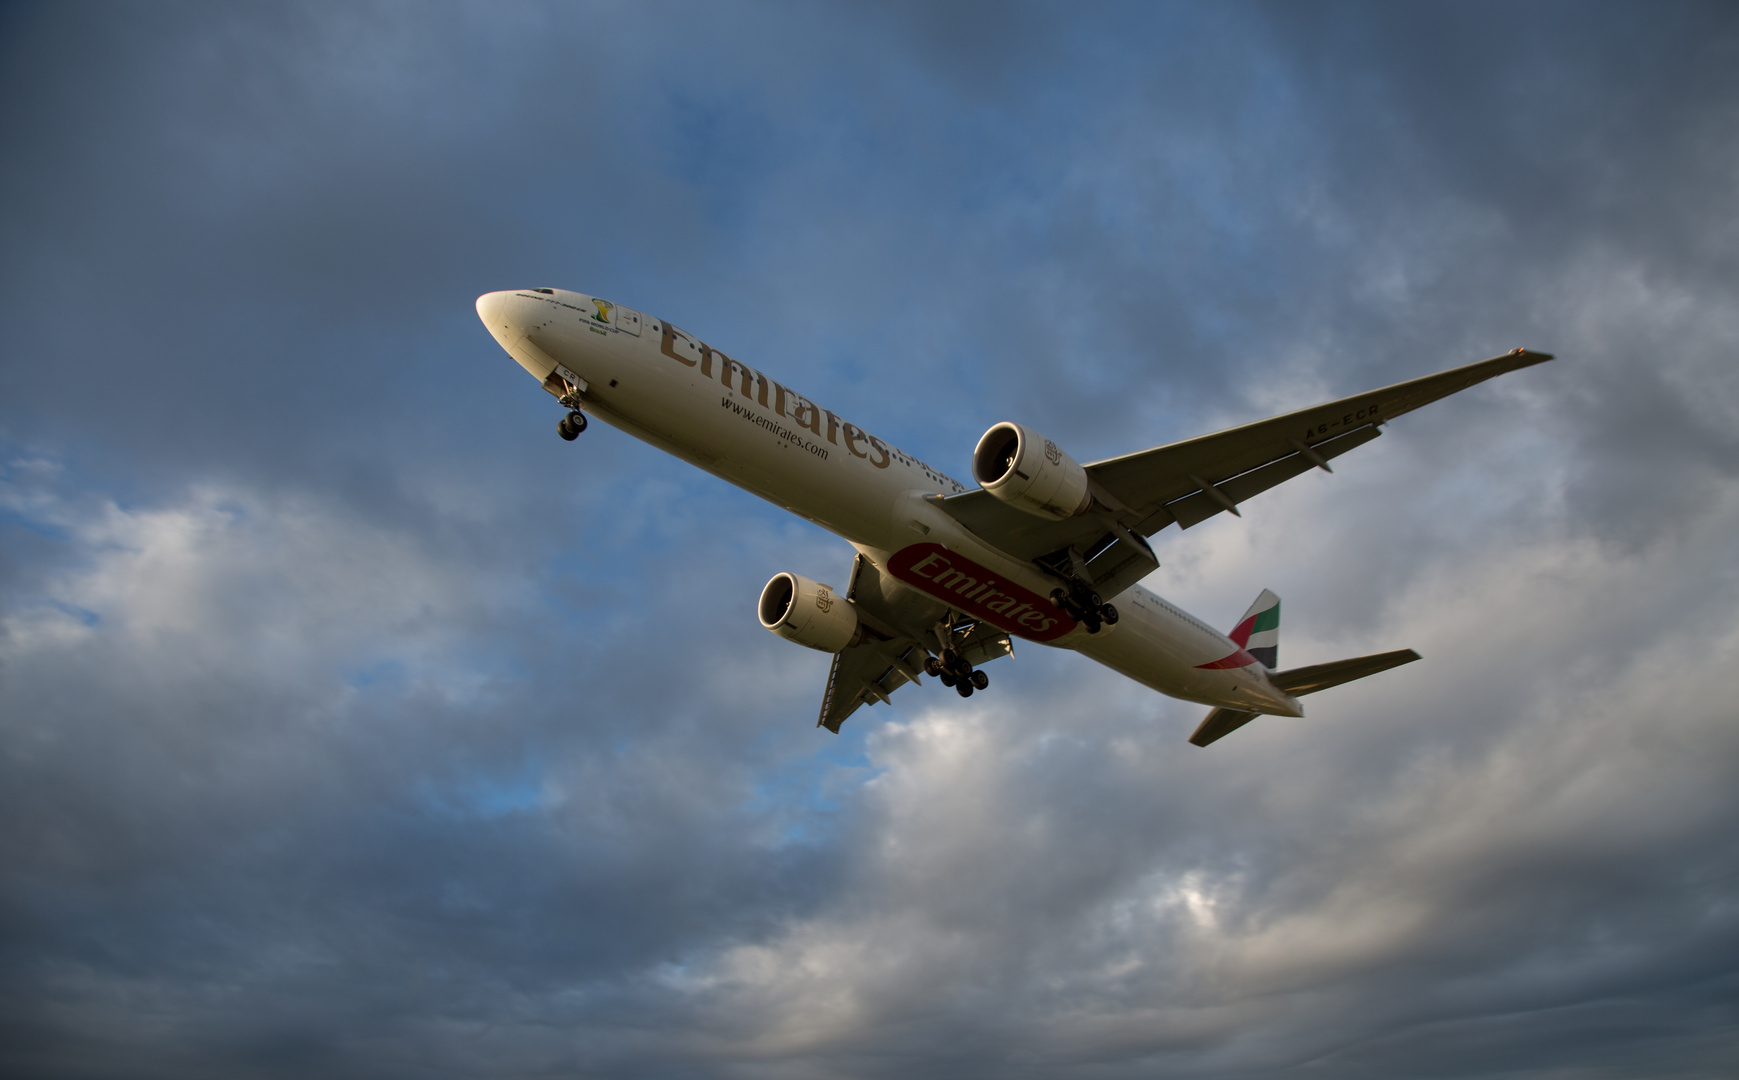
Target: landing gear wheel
932, 667
964, 689
1084, 605
947, 678
571, 425
980, 680
950, 658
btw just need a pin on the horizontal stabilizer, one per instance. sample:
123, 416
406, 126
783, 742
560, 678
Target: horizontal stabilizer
1219, 724
1308, 680
1298, 682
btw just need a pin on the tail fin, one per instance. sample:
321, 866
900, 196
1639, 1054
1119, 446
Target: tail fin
1258, 632
1298, 682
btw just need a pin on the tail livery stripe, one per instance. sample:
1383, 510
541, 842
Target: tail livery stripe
1237, 659
1258, 632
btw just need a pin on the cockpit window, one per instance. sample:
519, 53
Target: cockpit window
546, 292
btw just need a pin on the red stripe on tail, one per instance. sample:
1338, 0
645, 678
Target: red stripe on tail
1237, 659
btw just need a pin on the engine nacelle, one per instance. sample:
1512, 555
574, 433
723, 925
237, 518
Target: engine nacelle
808, 613
1027, 470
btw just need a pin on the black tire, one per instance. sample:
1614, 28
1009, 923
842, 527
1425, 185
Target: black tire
567, 430
1092, 622
1059, 598
947, 678
981, 680
950, 658
932, 667
578, 420
964, 689
1108, 613
1094, 600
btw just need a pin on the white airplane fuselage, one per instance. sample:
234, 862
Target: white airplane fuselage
670, 389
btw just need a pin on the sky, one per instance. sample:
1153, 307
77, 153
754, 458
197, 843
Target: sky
353, 724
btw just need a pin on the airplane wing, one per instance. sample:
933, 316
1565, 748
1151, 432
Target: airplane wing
1185, 483
891, 650
866, 673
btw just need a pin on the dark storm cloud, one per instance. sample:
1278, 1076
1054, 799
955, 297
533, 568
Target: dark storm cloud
350, 722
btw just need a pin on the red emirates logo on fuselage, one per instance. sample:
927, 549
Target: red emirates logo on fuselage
963, 584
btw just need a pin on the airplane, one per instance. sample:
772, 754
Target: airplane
946, 577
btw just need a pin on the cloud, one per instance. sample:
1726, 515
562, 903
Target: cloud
351, 723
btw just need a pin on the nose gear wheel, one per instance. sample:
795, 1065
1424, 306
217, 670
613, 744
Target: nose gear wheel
575, 421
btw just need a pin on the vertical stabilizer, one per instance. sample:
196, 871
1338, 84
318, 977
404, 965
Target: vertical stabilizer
1258, 632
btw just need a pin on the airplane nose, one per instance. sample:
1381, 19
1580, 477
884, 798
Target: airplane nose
506, 315
496, 309
491, 307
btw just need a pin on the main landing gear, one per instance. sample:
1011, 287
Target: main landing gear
953, 670
1084, 606
571, 425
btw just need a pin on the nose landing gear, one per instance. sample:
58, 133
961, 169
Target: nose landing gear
571, 425
575, 421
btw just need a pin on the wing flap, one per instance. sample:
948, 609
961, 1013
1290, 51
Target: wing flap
865, 673
1196, 508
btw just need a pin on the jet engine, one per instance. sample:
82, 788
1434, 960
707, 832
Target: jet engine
808, 613
1027, 470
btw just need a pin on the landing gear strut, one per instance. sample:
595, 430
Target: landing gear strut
1084, 606
575, 421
